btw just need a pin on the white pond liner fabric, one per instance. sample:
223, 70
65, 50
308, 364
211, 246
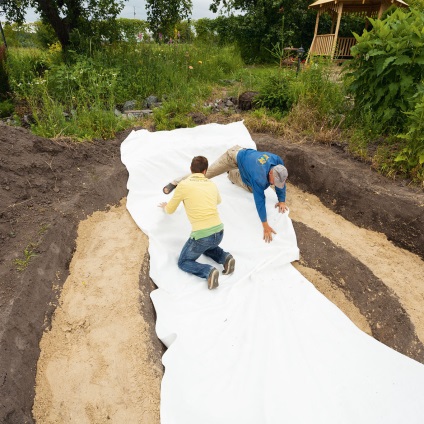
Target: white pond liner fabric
265, 347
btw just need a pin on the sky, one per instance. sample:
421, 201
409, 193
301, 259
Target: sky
200, 10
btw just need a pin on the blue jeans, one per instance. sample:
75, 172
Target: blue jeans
208, 246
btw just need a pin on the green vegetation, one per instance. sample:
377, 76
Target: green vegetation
71, 21
29, 253
388, 66
386, 78
375, 108
77, 99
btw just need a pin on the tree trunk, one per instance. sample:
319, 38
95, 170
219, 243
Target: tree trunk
50, 12
2, 34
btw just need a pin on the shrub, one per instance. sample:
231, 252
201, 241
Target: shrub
276, 92
318, 86
315, 88
6, 108
24, 65
411, 156
388, 66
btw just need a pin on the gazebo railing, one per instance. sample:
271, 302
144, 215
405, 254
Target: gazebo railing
344, 45
323, 46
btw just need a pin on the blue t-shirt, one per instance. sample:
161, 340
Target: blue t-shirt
254, 168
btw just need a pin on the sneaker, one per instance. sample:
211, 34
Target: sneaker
229, 265
213, 279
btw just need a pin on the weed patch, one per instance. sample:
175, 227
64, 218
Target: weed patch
28, 254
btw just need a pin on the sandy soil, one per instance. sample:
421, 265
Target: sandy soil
95, 365
400, 270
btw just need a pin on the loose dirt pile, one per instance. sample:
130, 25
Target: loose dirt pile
76, 323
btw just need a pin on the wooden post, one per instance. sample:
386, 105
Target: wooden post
316, 23
383, 7
336, 33
333, 15
311, 49
367, 22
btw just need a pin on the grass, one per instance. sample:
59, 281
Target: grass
77, 99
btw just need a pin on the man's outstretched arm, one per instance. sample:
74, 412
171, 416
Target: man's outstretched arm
259, 197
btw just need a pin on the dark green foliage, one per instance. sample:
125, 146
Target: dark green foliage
265, 24
260, 27
205, 30
6, 108
4, 80
6, 105
164, 15
349, 24
388, 66
386, 79
276, 93
45, 34
73, 21
411, 156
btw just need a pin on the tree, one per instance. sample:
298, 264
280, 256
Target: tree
264, 23
163, 15
65, 16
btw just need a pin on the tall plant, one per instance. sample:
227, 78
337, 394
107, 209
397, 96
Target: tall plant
388, 66
410, 159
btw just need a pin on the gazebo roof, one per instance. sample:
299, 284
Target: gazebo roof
356, 3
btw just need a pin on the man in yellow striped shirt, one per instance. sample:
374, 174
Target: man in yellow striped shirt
200, 197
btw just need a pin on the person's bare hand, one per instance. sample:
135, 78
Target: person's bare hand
162, 205
281, 207
268, 231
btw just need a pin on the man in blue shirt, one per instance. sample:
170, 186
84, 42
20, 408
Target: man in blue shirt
255, 172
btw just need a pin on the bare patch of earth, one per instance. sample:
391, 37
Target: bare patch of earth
77, 339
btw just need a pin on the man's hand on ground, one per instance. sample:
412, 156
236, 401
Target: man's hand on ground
162, 205
268, 232
281, 207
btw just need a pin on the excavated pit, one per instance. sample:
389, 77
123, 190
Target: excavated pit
48, 187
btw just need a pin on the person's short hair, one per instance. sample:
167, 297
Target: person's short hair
199, 164
280, 175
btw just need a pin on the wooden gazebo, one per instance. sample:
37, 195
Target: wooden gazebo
332, 46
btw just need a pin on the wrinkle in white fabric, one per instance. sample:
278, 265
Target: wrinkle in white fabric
265, 347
